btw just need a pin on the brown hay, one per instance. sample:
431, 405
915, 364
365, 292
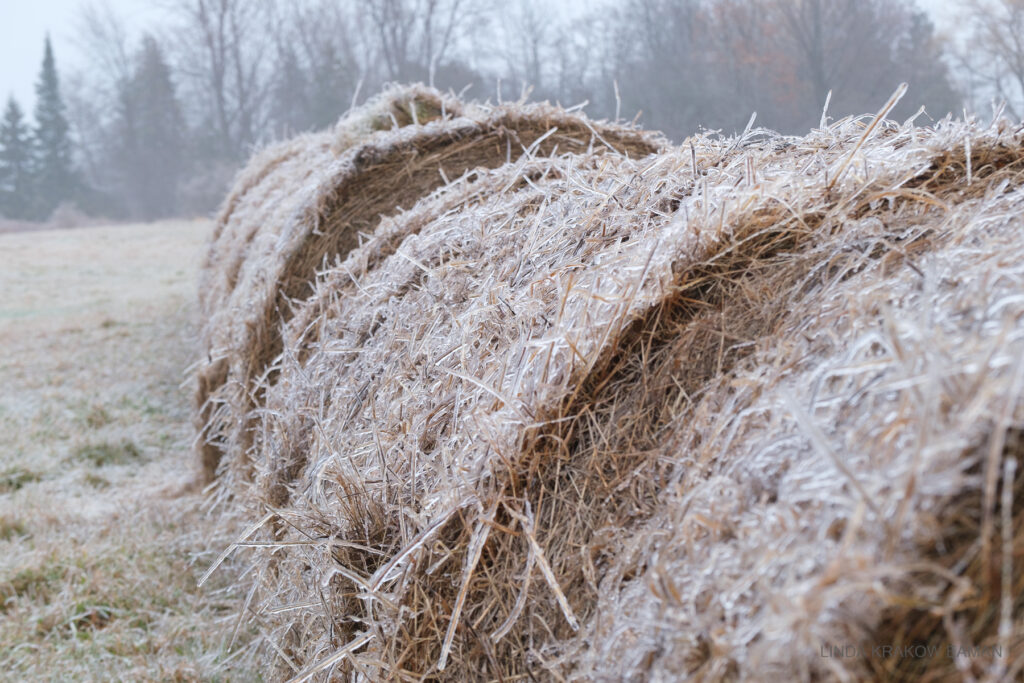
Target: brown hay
698, 414
387, 172
265, 193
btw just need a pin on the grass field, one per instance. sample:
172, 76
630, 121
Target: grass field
102, 529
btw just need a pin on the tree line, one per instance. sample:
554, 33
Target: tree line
36, 172
156, 124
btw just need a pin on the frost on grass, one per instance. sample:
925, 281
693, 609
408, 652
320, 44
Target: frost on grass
102, 540
607, 413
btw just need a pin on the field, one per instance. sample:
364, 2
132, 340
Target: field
102, 529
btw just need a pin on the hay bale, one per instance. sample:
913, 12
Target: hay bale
309, 202
268, 190
704, 413
268, 194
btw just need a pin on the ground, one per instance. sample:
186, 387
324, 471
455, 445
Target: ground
103, 531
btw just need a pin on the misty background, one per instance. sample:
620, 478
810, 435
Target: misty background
140, 110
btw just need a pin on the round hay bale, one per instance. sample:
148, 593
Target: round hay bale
267, 195
698, 413
264, 194
300, 209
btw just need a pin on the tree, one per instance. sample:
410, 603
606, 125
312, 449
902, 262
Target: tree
994, 58
526, 28
329, 99
150, 134
862, 50
55, 180
416, 37
221, 50
662, 64
289, 101
92, 94
922, 62
693, 63
15, 164
536, 45
754, 67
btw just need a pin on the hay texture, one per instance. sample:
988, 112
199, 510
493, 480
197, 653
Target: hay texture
305, 203
627, 411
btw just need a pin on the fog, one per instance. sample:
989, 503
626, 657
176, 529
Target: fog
154, 105
24, 24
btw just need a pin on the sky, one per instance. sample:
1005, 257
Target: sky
23, 27
25, 23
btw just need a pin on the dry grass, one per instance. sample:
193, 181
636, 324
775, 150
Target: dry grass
101, 526
613, 417
312, 201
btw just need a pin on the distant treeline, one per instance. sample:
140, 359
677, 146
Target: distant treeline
36, 166
156, 124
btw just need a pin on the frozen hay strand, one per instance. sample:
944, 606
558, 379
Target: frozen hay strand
724, 411
306, 203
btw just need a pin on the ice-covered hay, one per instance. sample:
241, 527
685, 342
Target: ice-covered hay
305, 203
708, 412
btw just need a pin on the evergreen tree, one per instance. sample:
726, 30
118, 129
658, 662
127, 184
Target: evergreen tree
290, 109
54, 178
918, 61
15, 164
150, 133
333, 84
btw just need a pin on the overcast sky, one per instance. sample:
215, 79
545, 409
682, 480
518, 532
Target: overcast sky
24, 23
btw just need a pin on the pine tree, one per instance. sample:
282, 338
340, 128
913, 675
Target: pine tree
15, 163
54, 178
150, 131
290, 109
329, 98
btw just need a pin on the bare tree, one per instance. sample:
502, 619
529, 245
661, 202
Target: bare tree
335, 67
994, 53
754, 72
92, 91
662, 63
222, 57
861, 50
525, 39
837, 45
692, 63
101, 35
415, 37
